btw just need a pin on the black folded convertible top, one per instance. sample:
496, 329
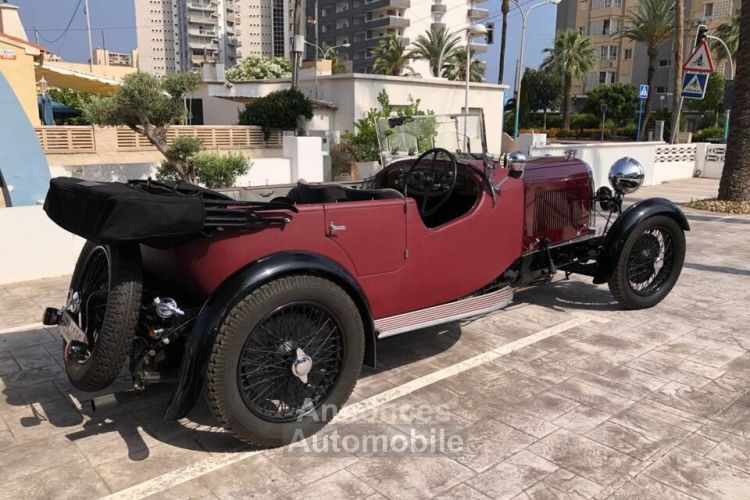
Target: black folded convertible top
152, 212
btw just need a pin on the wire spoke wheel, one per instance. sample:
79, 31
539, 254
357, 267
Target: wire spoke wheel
650, 262
290, 362
89, 296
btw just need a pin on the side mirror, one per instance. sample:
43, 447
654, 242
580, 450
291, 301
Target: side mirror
516, 162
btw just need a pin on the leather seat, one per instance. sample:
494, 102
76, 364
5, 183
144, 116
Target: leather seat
330, 192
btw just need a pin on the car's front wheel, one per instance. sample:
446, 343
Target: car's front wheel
649, 264
286, 358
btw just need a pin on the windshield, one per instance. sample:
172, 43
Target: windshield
402, 137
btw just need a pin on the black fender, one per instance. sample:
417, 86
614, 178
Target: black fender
231, 291
624, 225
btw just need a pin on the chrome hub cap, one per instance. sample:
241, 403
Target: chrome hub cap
302, 365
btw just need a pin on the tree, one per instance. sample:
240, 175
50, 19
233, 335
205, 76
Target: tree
504, 9
572, 56
148, 105
679, 9
75, 99
213, 170
436, 48
651, 24
391, 57
621, 100
260, 68
455, 69
542, 90
277, 110
729, 32
713, 98
363, 142
735, 178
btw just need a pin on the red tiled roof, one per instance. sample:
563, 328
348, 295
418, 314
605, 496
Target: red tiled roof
22, 41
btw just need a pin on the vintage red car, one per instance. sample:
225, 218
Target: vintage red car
275, 306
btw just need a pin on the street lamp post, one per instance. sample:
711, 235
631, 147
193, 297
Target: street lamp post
731, 77
323, 56
475, 30
519, 68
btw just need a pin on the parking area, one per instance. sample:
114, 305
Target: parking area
562, 395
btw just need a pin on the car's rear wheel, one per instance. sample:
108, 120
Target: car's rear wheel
285, 360
649, 264
104, 300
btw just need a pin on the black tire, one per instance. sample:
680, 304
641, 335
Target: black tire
110, 331
642, 285
249, 323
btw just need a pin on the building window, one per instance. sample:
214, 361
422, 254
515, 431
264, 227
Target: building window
708, 10
661, 90
665, 63
628, 54
606, 26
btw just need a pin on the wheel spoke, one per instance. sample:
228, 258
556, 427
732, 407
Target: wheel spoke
269, 385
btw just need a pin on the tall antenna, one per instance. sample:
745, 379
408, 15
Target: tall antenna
87, 13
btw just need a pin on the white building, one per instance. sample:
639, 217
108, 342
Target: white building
362, 24
180, 35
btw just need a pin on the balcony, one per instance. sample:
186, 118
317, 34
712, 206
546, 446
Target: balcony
202, 19
437, 26
379, 5
387, 22
478, 48
205, 7
477, 14
438, 9
202, 46
203, 33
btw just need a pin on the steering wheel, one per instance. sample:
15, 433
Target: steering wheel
429, 182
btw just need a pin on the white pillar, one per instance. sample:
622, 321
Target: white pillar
305, 155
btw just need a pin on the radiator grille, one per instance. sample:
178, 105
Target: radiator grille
558, 208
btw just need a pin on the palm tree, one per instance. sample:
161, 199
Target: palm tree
435, 48
729, 31
572, 56
455, 68
735, 179
391, 57
504, 8
652, 24
679, 10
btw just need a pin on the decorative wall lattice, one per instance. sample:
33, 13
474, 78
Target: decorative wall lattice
675, 153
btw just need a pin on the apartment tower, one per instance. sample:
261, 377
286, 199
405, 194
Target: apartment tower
620, 59
364, 23
182, 35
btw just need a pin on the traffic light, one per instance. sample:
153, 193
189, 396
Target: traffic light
701, 36
490, 33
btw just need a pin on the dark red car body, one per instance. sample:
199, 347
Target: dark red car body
401, 264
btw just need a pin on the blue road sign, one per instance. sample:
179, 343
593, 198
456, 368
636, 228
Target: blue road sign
694, 85
643, 92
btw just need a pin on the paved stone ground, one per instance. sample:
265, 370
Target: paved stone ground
571, 397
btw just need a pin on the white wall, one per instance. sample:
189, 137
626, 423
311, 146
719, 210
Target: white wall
661, 162
33, 246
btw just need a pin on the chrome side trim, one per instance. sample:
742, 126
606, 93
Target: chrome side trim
444, 313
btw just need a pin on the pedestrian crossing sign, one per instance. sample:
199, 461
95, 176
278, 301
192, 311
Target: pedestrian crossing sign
694, 85
643, 92
700, 60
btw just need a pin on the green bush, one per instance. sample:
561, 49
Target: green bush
708, 134
211, 169
277, 110
584, 120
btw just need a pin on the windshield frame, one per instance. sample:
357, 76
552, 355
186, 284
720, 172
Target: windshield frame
475, 120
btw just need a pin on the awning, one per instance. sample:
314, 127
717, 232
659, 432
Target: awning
78, 80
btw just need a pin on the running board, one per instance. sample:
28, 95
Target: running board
444, 313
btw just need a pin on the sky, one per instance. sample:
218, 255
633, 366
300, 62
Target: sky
113, 26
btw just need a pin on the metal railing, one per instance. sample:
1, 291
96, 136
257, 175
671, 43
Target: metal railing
66, 139
212, 137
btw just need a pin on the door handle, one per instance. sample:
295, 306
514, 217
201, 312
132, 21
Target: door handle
333, 229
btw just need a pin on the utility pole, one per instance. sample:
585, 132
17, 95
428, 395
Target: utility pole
36, 35
298, 42
87, 13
